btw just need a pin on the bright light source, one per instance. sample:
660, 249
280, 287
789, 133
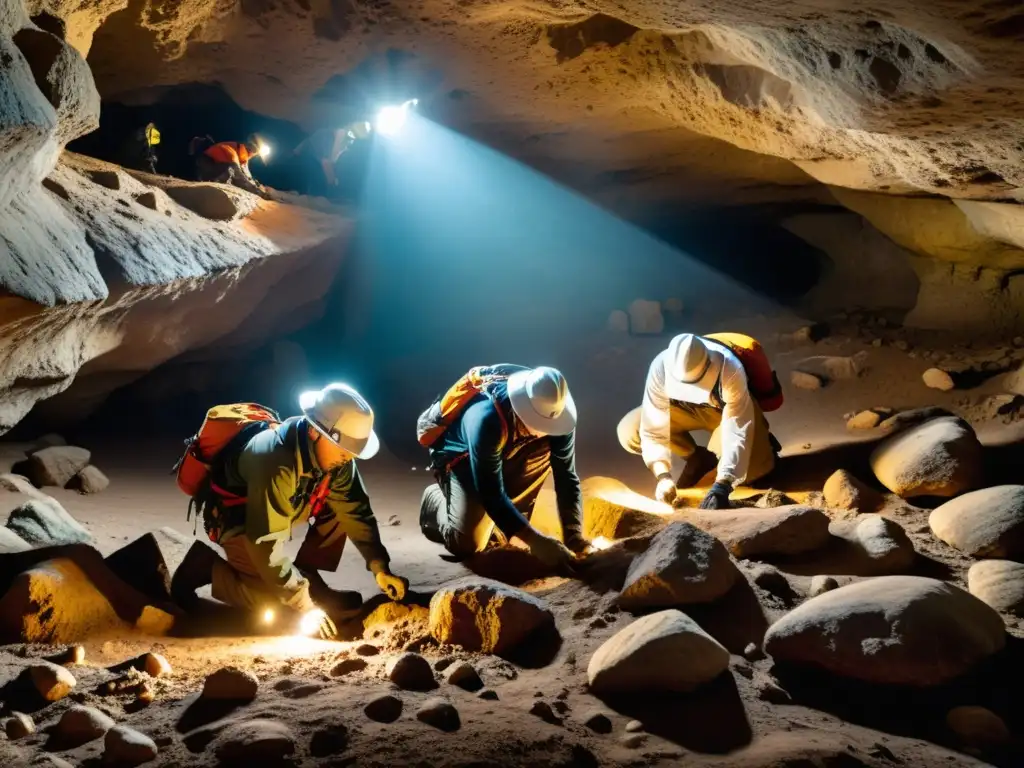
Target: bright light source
308, 399
264, 151
309, 624
601, 543
391, 119
269, 616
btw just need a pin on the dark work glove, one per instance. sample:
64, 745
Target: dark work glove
717, 497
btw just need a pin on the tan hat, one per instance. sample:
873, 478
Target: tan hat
691, 369
344, 417
541, 399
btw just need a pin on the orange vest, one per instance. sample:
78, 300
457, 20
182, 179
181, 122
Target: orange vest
228, 152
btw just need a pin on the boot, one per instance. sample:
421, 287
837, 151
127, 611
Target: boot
699, 464
195, 571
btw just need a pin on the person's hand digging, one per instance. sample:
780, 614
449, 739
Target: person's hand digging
718, 496
550, 551
666, 491
317, 622
392, 586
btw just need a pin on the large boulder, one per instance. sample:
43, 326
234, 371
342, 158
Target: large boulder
901, 630
662, 652
45, 523
80, 725
848, 495
787, 530
1000, 583
149, 562
64, 601
57, 465
484, 615
985, 523
941, 457
682, 565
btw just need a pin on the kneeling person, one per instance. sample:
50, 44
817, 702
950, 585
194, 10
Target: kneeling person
494, 438
277, 475
716, 382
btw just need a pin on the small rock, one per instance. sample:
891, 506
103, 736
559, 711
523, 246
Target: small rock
618, 321
1018, 341
1000, 583
598, 722
811, 333
769, 690
985, 523
673, 305
125, 746
329, 740
833, 367
845, 492
645, 317
936, 378
367, 649
634, 726
634, 740
743, 669
665, 651
902, 345
464, 676
753, 652
443, 663
822, 584
978, 727
259, 742
19, 725
488, 695
51, 681
802, 380
439, 713
885, 544
597, 622
394, 520
79, 725
543, 710
772, 499
384, 709
154, 665
864, 420
876, 343
146, 695
232, 684
411, 672
89, 480
773, 581
348, 666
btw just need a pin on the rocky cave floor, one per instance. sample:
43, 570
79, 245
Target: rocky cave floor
536, 707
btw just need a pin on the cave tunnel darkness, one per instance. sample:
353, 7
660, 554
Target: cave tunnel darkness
461, 256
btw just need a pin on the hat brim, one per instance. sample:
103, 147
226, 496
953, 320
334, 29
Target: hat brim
698, 392
361, 449
562, 424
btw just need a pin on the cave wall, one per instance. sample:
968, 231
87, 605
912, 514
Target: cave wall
105, 275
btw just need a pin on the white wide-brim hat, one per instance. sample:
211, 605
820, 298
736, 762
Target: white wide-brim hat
691, 386
344, 417
541, 399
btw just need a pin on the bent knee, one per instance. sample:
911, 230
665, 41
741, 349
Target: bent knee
628, 431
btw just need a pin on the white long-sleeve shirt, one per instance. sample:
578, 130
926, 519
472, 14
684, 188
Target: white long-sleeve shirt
738, 414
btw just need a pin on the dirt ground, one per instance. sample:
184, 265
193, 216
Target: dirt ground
729, 723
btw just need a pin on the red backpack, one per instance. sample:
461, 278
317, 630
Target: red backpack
443, 412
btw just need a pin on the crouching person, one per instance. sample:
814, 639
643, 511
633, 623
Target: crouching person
264, 477
494, 438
